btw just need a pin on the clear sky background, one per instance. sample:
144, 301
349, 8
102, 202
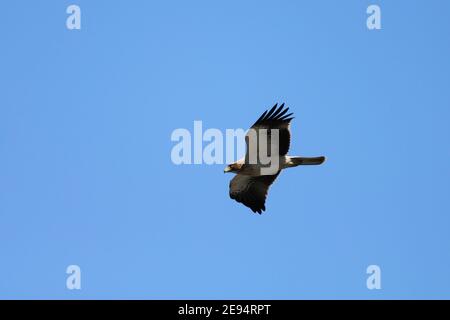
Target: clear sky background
86, 176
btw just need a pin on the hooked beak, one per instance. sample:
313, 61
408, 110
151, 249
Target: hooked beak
227, 169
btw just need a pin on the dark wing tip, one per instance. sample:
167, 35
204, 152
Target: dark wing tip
275, 114
281, 114
255, 206
269, 115
258, 210
286, 116
261, 117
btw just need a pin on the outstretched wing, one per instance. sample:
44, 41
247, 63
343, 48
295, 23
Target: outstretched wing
275, 118
251, 191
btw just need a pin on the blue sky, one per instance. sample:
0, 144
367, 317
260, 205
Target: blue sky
86, 176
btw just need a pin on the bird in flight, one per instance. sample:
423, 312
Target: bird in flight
268, 139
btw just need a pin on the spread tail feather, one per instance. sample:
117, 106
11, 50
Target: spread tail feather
297, 161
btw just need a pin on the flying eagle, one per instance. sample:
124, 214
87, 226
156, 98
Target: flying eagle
269, 137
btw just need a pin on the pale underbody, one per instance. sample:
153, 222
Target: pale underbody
261, 170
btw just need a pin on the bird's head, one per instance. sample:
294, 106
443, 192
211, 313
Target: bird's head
234, 167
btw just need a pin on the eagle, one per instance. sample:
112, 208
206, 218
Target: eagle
268, 138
